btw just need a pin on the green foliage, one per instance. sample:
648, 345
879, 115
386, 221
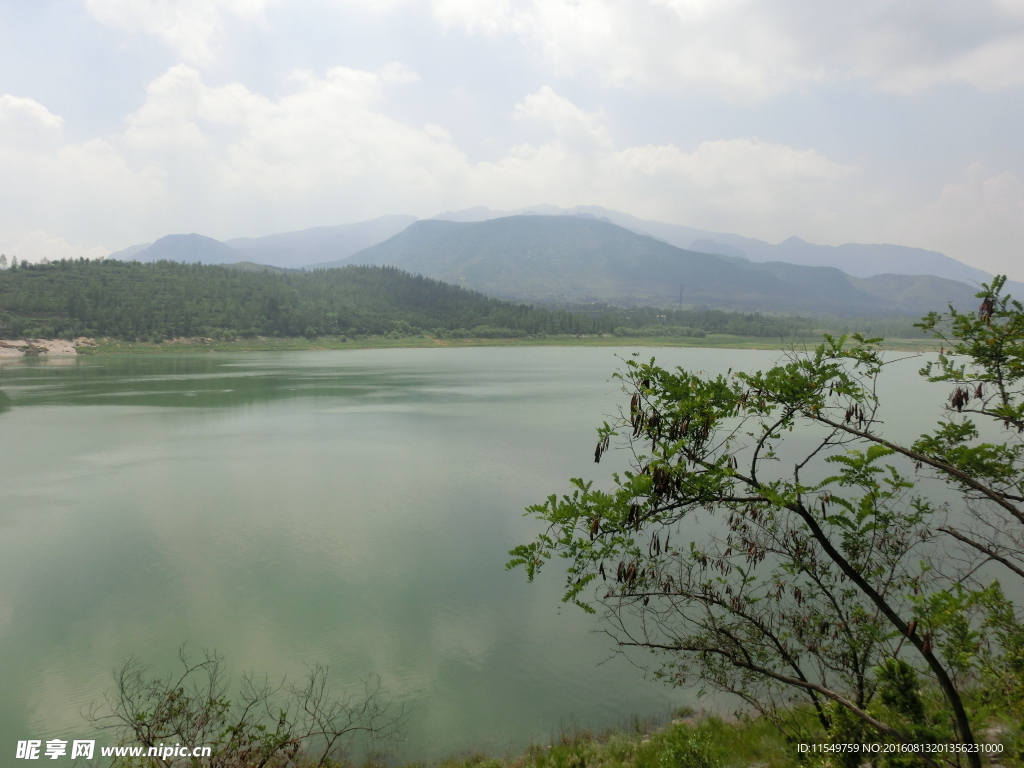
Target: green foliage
834, 587
899, 689
151, 302
661, 330
707, 741
985, 363
846, 728
758, 324
689, 749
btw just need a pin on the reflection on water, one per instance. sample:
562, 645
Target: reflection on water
206, 381
353, 508
349, 507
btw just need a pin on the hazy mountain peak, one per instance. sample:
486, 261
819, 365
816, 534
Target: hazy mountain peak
710, 246
192, 247
305, 247
569, 259
330, 244
859, 260
128, 253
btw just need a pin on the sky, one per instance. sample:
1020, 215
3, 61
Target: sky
877, 121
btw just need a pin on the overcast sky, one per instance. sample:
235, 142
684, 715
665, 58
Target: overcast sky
870, 121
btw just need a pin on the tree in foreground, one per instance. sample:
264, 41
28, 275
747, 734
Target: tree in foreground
257, 725
774, 539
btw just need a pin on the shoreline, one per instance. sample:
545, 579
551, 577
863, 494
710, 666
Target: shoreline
37, 347
46, 348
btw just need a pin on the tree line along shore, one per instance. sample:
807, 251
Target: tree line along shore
119, 304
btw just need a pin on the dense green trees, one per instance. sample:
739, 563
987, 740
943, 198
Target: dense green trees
130, 300
751, 323
775, 539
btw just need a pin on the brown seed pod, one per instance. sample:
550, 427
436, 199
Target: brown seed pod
986, 309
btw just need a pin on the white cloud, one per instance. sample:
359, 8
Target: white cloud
227, 161
87, 188
756, 187
25, 123
397, 72
752, 49
27, 112
737, 49
570, 122
233, 155
191, 28
38, 245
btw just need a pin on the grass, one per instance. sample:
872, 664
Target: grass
689, 740
686, 742
273, 344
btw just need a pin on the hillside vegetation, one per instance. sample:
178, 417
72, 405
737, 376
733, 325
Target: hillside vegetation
155, 301
132, 300
569, 259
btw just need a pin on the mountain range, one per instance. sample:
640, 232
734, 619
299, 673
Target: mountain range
289, 250
857, 259
588, 253
575, 259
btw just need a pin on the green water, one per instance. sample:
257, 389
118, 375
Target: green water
353, 508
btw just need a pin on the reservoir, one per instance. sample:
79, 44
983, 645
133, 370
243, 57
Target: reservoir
353, 508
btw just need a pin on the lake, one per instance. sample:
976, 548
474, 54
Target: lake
353, 508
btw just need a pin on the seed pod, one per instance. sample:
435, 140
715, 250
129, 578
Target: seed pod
986, 309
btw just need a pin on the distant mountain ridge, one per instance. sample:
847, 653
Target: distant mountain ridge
189, 248
332, 245
288, 250
857, 259
309, 246
581, 258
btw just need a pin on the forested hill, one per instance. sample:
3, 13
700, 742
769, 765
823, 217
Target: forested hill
569, 259
131, 300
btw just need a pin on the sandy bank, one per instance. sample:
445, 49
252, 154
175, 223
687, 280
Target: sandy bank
48, 347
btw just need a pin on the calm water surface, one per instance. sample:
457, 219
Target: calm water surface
353, 508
